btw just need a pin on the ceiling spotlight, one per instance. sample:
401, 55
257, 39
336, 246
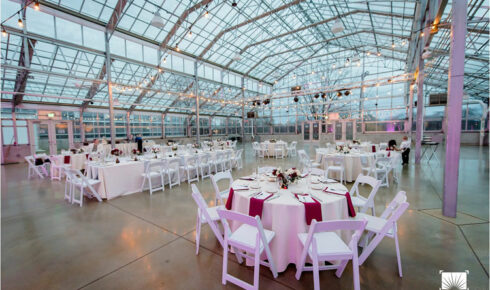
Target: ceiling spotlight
177, 47
346, 93
324, 95
294, 76
368, 53
189, 35
164, 60
234, 4
404, 42
36, 5
379, 53
317, 96
393, 45
339, 94
4, 32
206, 14
313, 72
296, 99
333, 66
258, 103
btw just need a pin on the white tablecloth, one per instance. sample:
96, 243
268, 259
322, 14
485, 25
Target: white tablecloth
286, 217
77, 161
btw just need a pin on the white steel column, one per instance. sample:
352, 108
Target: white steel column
109, 88
196, 86
454, 107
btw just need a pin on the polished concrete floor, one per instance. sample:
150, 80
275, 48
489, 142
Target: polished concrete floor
142, 241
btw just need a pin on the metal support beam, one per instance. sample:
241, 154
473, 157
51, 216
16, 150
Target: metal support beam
181, 20
25, 58
109, 89
196, 89
410, 110
453, 110
420, 112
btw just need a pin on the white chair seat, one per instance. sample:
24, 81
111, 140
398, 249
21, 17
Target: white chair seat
328, 243
358, 201
89, 181
151, 174
246, 235
315, 164
213, 212
375, 224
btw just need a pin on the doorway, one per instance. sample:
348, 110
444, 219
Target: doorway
345, 130
50, 136
311, 131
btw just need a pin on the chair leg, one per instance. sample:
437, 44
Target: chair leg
316, 273
256, 269
225, 263
398, 257
198, 232
355, 271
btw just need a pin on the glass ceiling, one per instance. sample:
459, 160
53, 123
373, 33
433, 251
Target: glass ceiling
270, 46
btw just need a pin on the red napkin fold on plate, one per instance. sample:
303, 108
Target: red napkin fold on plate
229, 201
374, 149
66, 160
313, 210
350, 207
256, 206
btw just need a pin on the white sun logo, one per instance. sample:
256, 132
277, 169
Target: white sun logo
454, 280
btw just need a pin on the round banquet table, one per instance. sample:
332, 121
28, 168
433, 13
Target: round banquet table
285, 215
269, 147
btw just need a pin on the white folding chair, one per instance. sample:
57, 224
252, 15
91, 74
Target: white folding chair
153, 169
220, 194
382, 170
265, 169
292, 148
79, 181
204, 165
191, 166
383, 226
279, 151
383, 146
39, 170
205, 215
237, 160
228, 160
367, 165
250, 237
360, 201
322, 243
305, 160
219, 162
56, 167
335, 164
172, 169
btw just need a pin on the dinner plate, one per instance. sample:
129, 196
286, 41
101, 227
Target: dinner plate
254, 185
317, 186
271, 190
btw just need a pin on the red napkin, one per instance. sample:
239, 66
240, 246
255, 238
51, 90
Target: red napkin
388, 153
313, 210
350, 207
67, 159
229, 201
374, 148
86, 156
256, 206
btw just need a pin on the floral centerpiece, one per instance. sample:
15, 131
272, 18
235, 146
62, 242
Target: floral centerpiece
355, 141
342, 149
169, 143
195, 146
272, 141
116, 152
136, 152
292, 175
155, 150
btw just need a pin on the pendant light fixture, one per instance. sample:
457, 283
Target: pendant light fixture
4, 32
37, 7
157, 20
19, 22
